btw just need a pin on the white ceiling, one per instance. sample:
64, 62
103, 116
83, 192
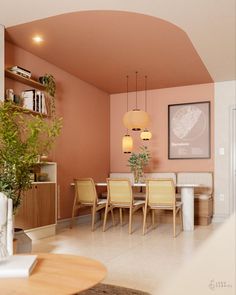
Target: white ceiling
210, 24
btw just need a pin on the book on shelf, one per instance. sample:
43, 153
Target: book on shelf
21, 71
17, 266
28, 98
34, 100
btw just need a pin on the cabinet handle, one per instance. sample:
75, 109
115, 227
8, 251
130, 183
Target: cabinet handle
36, 186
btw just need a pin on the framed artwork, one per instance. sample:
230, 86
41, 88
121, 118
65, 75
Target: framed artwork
189, 131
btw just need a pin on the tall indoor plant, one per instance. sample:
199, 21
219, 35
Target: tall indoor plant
23, 137
138, 161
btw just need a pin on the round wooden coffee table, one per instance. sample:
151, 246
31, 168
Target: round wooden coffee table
56, 274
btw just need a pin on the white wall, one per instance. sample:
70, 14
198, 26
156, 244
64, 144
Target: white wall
225, 100
1, 62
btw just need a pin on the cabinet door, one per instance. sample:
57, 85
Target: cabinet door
45, 195
26, 215
37, 207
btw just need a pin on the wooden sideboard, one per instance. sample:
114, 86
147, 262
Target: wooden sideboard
38, 209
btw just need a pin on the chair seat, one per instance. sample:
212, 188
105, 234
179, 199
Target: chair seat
101, 201
124, 205
138, 202
178, 204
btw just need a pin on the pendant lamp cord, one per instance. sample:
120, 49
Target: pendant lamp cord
136, 90
127, 131
127, 93
145, 93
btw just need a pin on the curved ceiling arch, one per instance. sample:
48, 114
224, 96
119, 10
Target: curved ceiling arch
211, 25
102, 47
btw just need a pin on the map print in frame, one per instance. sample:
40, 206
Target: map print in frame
189, 130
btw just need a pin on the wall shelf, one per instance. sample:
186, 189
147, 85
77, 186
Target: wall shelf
27, 111
24, 80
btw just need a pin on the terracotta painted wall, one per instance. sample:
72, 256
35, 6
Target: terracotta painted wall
83, 147
158, 101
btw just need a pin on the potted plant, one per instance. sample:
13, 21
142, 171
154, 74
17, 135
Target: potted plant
23, 137
138, 161
48, 81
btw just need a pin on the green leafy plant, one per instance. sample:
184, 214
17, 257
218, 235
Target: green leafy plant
48, 81
23, 137
138, 161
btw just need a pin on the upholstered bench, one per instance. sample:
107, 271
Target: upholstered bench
203, 196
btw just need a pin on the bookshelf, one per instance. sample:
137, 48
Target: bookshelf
32, 83
21, 79
27, 111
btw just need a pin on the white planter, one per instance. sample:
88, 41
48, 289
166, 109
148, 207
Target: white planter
6, 228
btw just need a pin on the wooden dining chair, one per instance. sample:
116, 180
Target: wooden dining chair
160, 195
120, 196
86, 195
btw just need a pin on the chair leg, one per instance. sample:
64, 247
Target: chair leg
105, 218
144, 220
153, 218
121, 217
130, 220
72, 216
112, 216
181, 218
93, 216
174, 221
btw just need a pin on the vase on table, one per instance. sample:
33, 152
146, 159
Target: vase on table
138, 176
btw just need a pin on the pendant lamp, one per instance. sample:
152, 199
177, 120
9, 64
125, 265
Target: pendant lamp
127, 140
146, 134
136, 119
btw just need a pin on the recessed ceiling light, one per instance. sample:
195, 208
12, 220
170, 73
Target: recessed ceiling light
37, 39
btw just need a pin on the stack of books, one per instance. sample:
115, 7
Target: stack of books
17, 266
34, 100
21, 71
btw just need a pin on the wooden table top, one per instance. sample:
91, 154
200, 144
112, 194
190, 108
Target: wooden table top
56, 274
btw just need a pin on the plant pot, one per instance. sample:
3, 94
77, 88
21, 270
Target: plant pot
23, 243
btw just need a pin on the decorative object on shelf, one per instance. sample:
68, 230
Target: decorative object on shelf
136, 119
137, 162
42, 176
48, 81
9, 95
21, 141
127, 140
189, 131
146, 134
21, 71
43, 158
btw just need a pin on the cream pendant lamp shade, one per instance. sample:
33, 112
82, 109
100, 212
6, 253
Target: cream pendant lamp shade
127, 144
146, 134
136, 119
127, 140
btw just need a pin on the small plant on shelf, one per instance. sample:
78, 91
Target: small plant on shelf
48, 81
138, 161
22, 139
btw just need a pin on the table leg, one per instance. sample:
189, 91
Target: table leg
187, 197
